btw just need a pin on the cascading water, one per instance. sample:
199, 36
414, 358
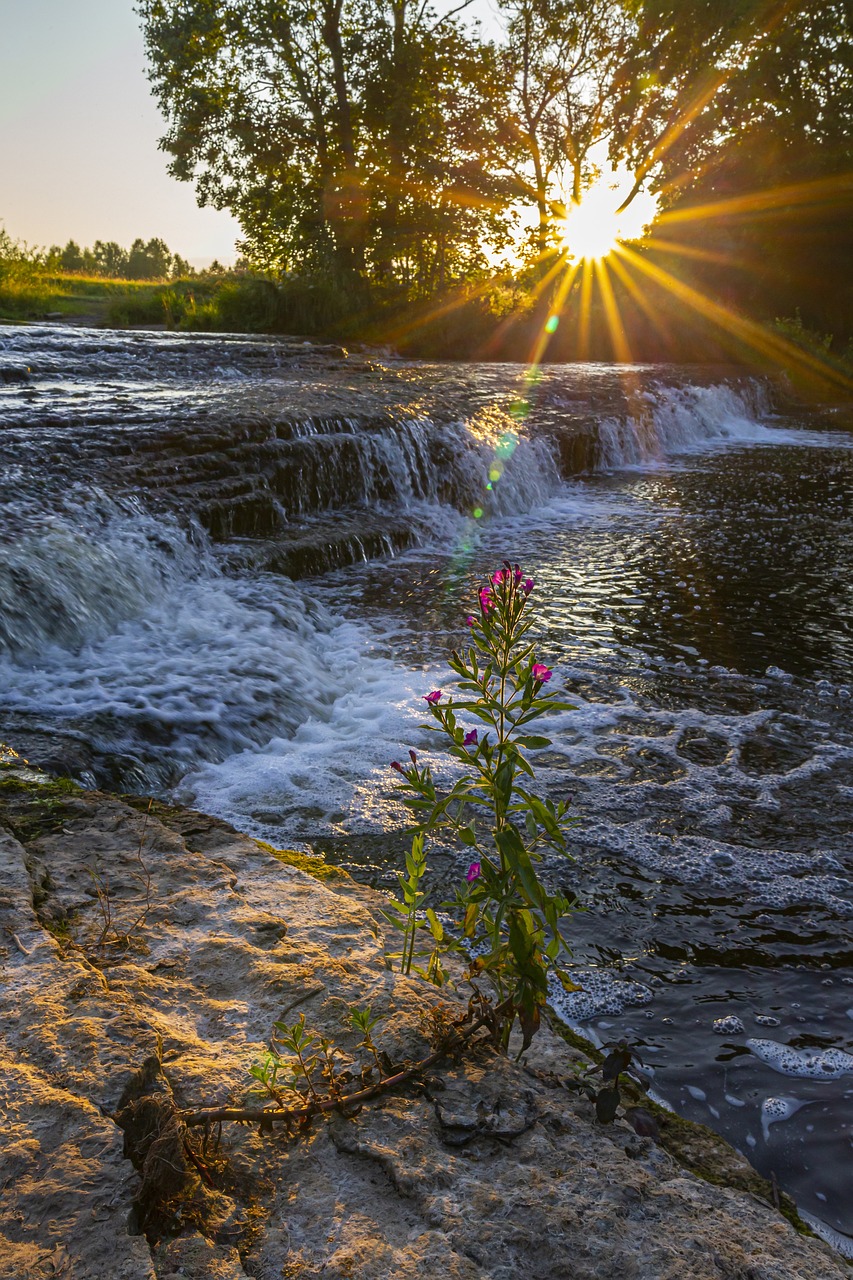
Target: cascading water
230, 567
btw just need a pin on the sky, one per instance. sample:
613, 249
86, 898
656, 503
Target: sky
79, 131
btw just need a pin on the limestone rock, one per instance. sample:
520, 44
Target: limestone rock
145, 957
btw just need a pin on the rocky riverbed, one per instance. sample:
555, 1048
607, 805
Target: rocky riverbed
489, 1168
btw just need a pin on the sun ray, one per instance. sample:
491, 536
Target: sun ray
654, 316
751, 334
584, 310
466, 294
571, 270
657, 242
774, 201
611, 314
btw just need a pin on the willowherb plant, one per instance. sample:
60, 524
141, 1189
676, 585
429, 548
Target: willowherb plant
504, 917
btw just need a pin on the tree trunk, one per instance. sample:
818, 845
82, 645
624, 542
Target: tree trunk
346, 203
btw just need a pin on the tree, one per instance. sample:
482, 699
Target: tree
181, 269
71, 257
151, 261
110, 258
348, 136
561, 58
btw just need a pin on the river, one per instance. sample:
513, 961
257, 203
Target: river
230, 568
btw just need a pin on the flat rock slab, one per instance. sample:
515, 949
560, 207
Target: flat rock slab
145, 957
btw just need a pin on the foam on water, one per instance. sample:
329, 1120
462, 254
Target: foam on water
682, 420
81, 574
601, 992
147, 649
730, 1025
835, 1239
331, 773
804, 1064
775, 1110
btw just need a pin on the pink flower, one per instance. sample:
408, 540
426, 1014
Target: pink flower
471, 738
528, 586
432, 698
470, 619
485, 599
517, 574
541, 673
497, 578
473, 872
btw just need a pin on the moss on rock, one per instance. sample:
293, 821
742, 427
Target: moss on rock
33, 805
310, 864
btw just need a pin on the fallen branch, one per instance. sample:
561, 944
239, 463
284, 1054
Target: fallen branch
268, 1116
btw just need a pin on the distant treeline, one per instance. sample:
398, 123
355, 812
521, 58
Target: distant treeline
144, 260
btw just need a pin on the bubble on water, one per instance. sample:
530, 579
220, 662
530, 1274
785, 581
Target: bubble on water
698, 1095
728, 1026
600, 993
766, 1020
776, 1109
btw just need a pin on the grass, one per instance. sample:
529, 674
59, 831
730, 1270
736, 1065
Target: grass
27, 293
243, 304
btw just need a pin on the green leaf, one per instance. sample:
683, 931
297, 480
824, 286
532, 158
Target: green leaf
512, 847
436, 927
606, 1105
533, 743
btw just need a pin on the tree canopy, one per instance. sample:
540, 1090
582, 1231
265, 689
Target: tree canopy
397, 147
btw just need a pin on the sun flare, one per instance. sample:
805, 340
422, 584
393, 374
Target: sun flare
593, 226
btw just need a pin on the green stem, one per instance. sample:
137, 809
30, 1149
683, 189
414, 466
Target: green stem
308, 1079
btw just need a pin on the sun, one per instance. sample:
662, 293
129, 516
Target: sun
593, 226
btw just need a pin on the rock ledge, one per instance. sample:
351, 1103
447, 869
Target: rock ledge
490, 1170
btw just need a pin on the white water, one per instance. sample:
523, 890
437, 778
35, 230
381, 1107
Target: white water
694, 419
121, 626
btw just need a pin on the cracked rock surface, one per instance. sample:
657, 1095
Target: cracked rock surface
488, 1169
